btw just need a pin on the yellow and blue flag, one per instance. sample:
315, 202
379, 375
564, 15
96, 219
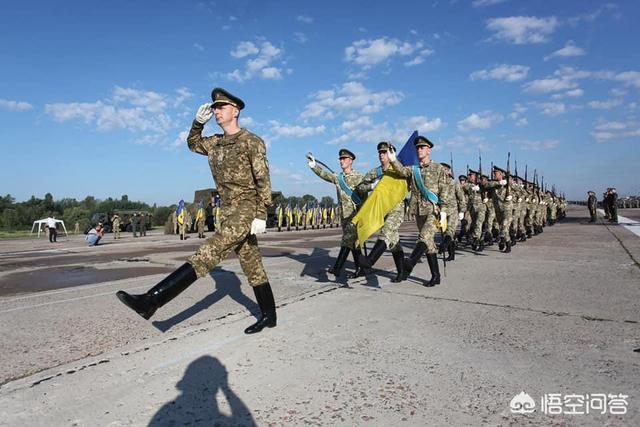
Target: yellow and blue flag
180, 212
390, 191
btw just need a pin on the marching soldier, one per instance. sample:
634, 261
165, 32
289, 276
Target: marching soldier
239, 166
477, 208
455, 214
465, 222
349, 201
280, 215
431, 190
389, 235
502, 202
592, 204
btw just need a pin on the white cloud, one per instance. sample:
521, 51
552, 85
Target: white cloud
629, 78
293, 131
549, 85
300, 37
575, 93
606, 131
509, 73
618, 92
611, 126
523, 29
419, 59
552, 108
545, 144
367, 53
482, 120
181, 139
351, 96
304, 19
423, 124
199, 47
605, 105
148, 100
482, 3
244, 49
15, 105
259, 61
569, 49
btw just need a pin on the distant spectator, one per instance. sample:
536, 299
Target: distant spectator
53, 233
592, 203
613, 205
76, 228
94, 235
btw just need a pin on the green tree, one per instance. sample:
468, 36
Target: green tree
327, 201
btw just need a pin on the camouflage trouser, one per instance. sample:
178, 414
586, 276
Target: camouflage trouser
116, 232
528, 219
389, 231
491, 216
478, 214
428, 229
518, 220
200, 224
452, 222
504, 216
349, 234
553, 211
233, 233
467, 223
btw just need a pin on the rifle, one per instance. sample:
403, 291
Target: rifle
452, 173
508, 173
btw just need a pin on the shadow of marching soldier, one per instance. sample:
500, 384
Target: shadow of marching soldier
226, 284
197, 403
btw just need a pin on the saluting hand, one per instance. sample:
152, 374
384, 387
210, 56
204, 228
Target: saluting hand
311, 160
204, 113
391, 154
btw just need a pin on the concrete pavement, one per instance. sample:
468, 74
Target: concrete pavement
557, 316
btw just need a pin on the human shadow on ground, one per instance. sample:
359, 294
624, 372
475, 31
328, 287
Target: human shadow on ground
226, 284
197, 404
316, 265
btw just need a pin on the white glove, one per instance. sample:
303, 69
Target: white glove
258, 226
502, 182
509, 198
391, 154
460, 216
526, 200
204, 113
476, 188
485, 200
542, 203
443, 220
519, 199
311, 160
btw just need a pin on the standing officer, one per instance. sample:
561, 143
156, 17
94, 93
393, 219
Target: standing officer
389, 236
349, 201
592, 204
115, 226
238, 162
431, 190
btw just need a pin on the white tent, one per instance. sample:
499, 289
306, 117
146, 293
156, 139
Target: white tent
44, 221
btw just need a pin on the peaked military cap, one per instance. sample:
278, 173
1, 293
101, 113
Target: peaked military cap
384, 145
462, 177
496, 168
346, 153
422, 141
446, 165
473, 172
221, 96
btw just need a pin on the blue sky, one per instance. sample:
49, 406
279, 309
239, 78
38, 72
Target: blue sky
96, 98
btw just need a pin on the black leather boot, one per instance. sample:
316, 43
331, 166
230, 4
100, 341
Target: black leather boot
268, 319
361, 271
501, 244
507, 247
169, 288
375, 254
432, 259
452, 251
398, 257
342, 257
409, 263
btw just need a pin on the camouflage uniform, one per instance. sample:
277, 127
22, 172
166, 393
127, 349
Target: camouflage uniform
427, 214
459, 204
348, 207
115, 224
241, 171
503, 207
389, 232
477, 208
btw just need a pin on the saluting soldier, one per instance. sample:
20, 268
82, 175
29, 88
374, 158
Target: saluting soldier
389, 233
349, 201
431, 193
239, 166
